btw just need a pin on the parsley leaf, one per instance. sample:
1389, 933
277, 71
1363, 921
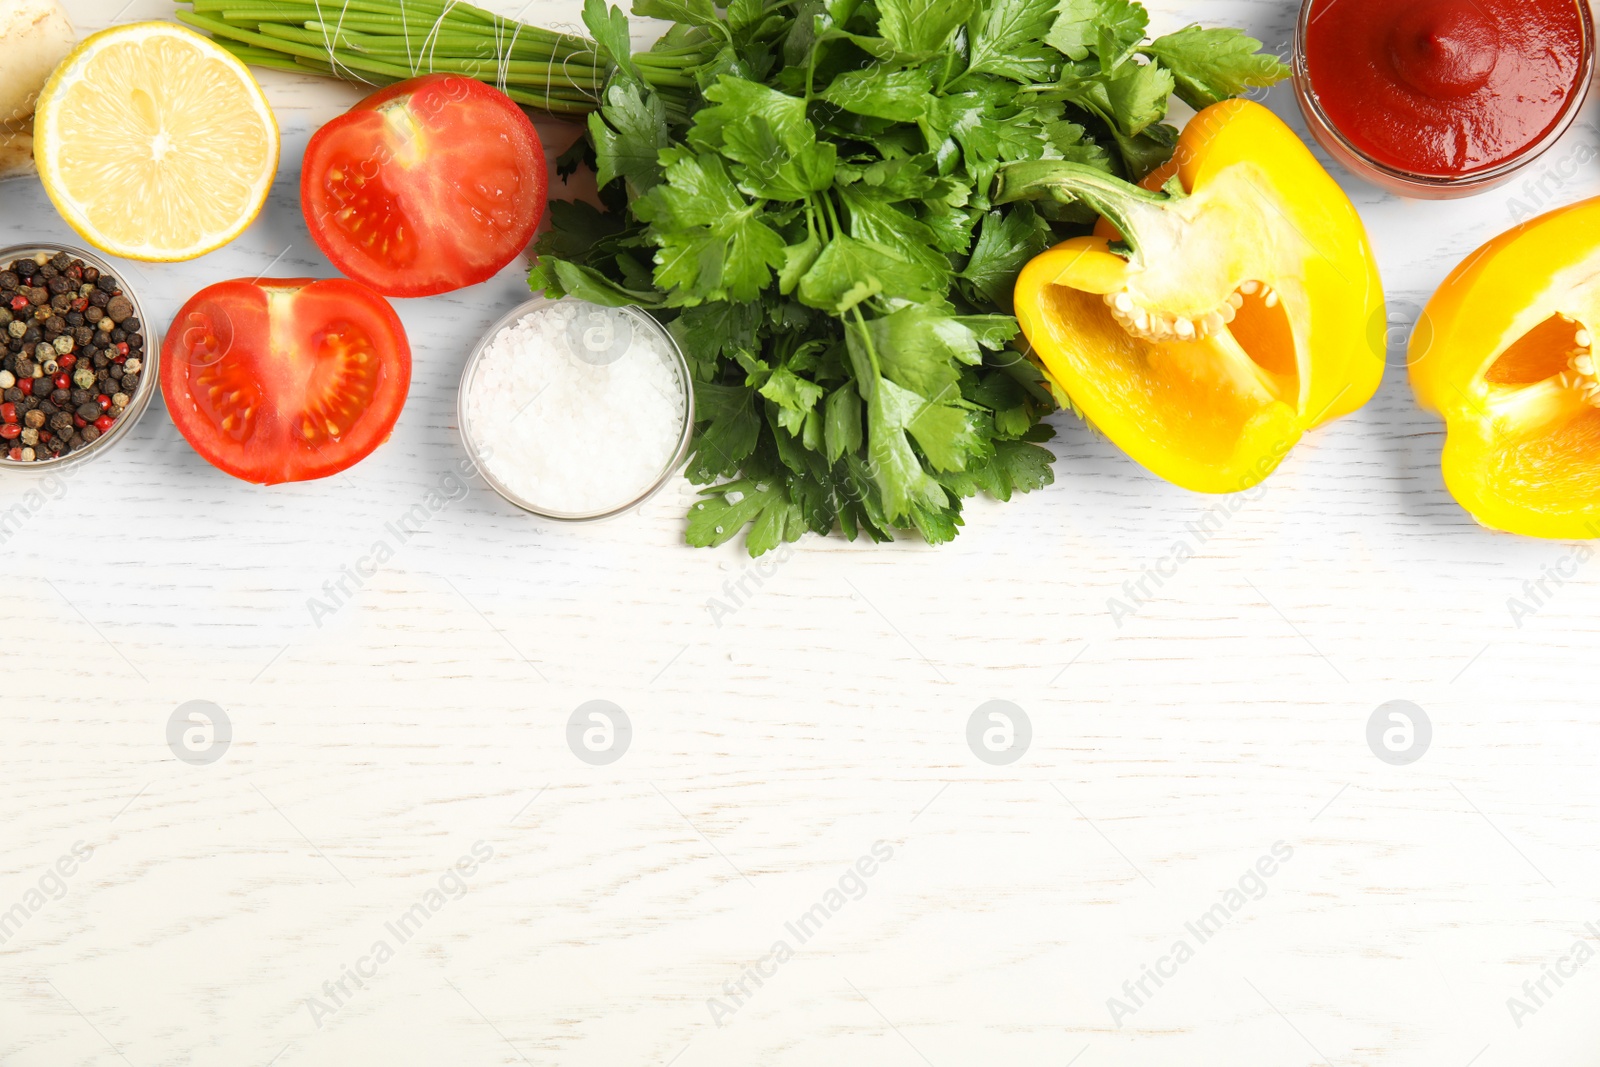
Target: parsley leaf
900, 178
558, 278
735, 101
767, 134
984, 124
732, 429
938, 420
1009, 40
1084, 26
609, 28
880, 92
578, 229
726, 509
1131, 99
706, 332
1015, 467
919, 346
1138, 93
920, 28
688, 12
875, 217
1147, 151
1009, 403
1006, 242
714, 244
842, 428
1211, 65
850, 270
1072, 142
743, 14
794, 396
629, 132
904, 484
770, 169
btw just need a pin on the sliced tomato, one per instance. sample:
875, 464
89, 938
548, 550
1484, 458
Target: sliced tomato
285, 381
428, 186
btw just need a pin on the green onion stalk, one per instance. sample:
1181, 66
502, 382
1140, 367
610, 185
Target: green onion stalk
379, 42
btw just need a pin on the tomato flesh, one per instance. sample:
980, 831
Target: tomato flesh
373, 228
286, 381
426, 187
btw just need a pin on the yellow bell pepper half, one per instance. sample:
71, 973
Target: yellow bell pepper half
1505, 353
1236, 312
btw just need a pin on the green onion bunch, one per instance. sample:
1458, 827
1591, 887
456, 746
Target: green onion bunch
379, 42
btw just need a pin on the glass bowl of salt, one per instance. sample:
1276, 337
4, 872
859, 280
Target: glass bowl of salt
575, 411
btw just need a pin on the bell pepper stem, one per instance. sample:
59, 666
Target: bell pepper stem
1064, 182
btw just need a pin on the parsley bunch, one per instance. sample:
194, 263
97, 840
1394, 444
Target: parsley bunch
813, 219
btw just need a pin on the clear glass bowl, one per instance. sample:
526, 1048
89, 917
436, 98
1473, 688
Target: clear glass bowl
478, 453
1428, 186
149, 372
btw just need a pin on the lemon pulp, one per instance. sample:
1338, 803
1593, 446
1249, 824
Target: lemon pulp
154, 143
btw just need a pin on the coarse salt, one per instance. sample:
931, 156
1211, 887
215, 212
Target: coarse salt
577, 408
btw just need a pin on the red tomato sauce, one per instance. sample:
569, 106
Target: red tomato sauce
1445, 88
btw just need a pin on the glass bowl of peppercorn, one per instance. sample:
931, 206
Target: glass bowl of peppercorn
77, 357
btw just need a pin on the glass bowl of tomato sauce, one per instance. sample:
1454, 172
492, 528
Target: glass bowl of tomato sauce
1437, 99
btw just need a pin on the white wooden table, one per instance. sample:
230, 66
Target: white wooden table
222, 904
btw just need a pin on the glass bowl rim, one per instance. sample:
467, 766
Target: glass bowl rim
149, 371
1461, 183
475, 453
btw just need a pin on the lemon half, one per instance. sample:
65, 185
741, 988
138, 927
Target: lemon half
154, 143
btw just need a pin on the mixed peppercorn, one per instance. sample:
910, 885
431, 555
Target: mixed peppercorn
73, 355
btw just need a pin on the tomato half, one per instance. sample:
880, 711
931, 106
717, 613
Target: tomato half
285, 381
428, 186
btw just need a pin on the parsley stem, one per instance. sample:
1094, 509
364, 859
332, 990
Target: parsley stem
868, 386
945, 84
833, 216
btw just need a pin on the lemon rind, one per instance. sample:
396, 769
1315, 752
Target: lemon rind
46, 138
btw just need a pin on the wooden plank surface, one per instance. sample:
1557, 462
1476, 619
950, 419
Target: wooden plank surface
815, 731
